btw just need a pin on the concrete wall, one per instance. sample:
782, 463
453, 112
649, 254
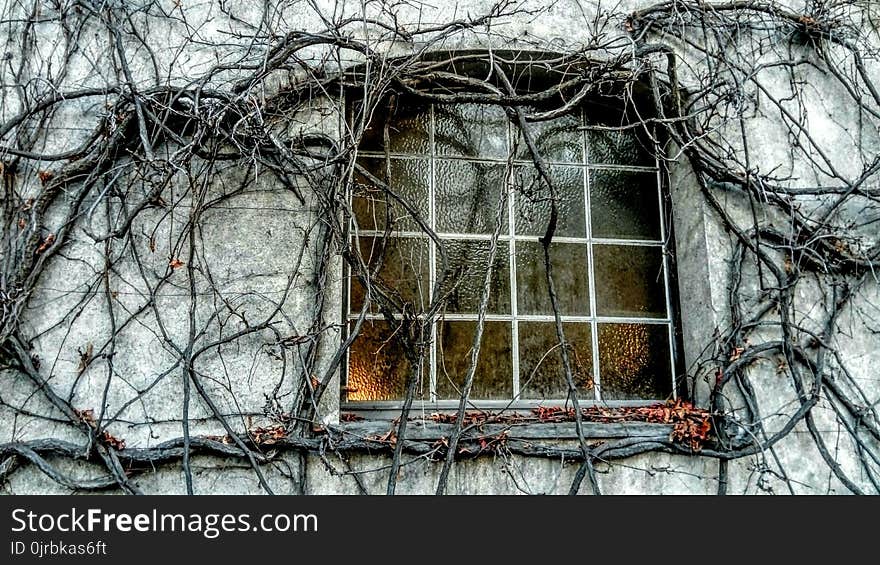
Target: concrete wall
250, 241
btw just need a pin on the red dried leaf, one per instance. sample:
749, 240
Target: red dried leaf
50, 239
269, 435
112, 441
737, 353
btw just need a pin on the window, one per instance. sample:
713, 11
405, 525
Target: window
458, 169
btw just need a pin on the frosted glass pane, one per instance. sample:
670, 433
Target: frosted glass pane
629, 281
374, 208
558, 140
468, 196
471, 130
634, 361
533, 201
627, 147
570, 277
541, 370
409, 128
378, 367
468, 261
403, 272
494, 376
625, 205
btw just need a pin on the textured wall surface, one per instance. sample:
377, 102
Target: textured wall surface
259, 249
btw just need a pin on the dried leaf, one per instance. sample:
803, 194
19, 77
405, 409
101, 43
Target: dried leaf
86, 416
112, 441
268, 436
737, 353
50, 239
84, 358
176, 263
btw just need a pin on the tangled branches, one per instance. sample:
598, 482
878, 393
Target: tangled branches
170, 278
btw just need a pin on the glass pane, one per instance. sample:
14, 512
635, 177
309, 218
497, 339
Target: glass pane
570, 278
541, 371
533, 202
630, 147
403, 274
629, 281
373, 208
625, 205
634, 361
558, 140
468, 195
471, 130
378, 367
408, 123
494, 376
468, 261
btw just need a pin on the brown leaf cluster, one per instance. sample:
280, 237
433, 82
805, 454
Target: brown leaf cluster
269, 435
470, 418
692, 426
88, 417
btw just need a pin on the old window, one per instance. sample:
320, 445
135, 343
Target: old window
457, 169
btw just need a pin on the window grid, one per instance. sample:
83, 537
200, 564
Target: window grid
511, 249
432, 253
515, 162
514, 318
588, 220
665, 257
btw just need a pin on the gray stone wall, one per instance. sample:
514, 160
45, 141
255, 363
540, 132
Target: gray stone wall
257, 259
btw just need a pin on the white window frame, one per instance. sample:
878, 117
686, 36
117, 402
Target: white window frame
671, 320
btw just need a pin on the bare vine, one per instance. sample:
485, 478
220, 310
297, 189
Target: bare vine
129, 205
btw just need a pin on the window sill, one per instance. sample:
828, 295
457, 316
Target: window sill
524, 420
428, 429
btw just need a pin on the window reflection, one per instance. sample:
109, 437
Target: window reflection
377, 365
454, 165
629, 281
493, 376
541, 366
471, 130
634, 361
374, 209
467, 196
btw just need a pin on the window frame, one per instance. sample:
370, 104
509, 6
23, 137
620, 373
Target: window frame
666, 242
